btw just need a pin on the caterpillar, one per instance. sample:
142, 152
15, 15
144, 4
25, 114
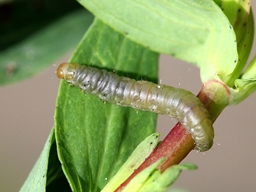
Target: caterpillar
143, 95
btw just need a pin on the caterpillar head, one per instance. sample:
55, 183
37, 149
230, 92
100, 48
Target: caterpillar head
67, 71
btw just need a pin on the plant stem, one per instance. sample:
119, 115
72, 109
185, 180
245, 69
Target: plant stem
178, 143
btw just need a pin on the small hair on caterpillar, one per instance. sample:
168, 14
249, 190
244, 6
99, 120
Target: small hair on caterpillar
143, 95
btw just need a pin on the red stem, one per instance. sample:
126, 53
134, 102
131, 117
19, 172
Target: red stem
178, 143
175, 147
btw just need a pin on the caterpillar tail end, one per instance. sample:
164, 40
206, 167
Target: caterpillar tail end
203, 135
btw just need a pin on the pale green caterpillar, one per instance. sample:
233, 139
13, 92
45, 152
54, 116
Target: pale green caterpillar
143, 95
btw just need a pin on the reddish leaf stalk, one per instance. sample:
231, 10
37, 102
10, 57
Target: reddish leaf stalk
178, 143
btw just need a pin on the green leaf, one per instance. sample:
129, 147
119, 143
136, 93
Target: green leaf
138, 156
137, 182
36, 180
38, 51
151, 179
193, 30
158, 181
245, 86
20, 19
250, 72
95, 138
240, 17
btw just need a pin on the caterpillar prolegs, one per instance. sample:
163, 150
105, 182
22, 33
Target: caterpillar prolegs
177, 103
